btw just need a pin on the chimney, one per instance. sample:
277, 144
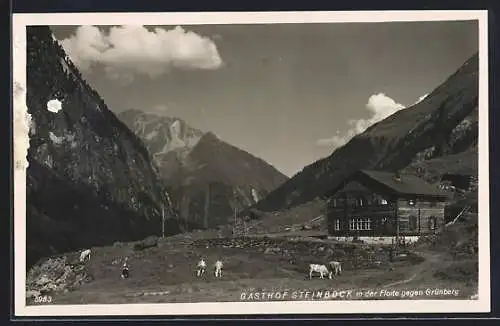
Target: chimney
397, 176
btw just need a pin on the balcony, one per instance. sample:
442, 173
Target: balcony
362, 210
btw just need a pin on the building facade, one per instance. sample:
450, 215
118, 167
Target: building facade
379, 203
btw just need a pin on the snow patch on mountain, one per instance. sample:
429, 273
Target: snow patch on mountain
151, 135
54, 105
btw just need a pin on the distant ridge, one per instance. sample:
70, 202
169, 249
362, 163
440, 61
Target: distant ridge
209, 179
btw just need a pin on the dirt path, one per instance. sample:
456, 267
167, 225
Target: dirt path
422, 271
401, 282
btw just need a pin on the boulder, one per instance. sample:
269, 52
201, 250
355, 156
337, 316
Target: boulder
54, 275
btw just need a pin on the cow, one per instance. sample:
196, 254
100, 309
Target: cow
335, 268
202, 267
317, 268
85, 255
218, 269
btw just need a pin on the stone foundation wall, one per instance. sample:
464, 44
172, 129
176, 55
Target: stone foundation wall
352, 256
378, 240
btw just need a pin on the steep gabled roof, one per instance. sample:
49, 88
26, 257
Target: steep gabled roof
407, 184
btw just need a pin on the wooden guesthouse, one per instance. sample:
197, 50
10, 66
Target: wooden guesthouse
380, 203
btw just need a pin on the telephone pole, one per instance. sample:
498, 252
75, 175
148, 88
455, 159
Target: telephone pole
234, 212
397, 232
234, 225
162, 220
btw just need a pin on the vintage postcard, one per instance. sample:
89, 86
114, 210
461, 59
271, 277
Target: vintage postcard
251, 163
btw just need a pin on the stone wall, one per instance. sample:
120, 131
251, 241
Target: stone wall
378, 240
305, 251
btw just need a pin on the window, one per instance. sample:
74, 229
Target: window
333, 202
411, 202
360, 224
404, 224
337, 225
413, 223
388, 224
378, 200
352, 202
360, 201
432, 223
341, 202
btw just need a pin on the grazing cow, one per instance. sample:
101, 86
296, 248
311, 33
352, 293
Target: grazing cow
85, 255
125, 269
202, 267
335, 268
316, 268
218, 269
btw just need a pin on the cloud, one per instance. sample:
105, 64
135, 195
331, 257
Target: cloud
126, 51
379, 106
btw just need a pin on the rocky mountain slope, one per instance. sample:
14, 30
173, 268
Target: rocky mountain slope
169, 140
443, 125
90, 180
208, 177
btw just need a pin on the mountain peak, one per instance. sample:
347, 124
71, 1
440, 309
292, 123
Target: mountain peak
210, 136
163, 135
205, 172
444, 124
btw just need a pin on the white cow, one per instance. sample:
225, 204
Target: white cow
218, 269
202, 267
317, 268
335, 268
85, 255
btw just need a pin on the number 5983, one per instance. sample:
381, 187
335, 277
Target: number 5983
43, 299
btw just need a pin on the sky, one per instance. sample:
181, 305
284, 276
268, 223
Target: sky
287, 93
